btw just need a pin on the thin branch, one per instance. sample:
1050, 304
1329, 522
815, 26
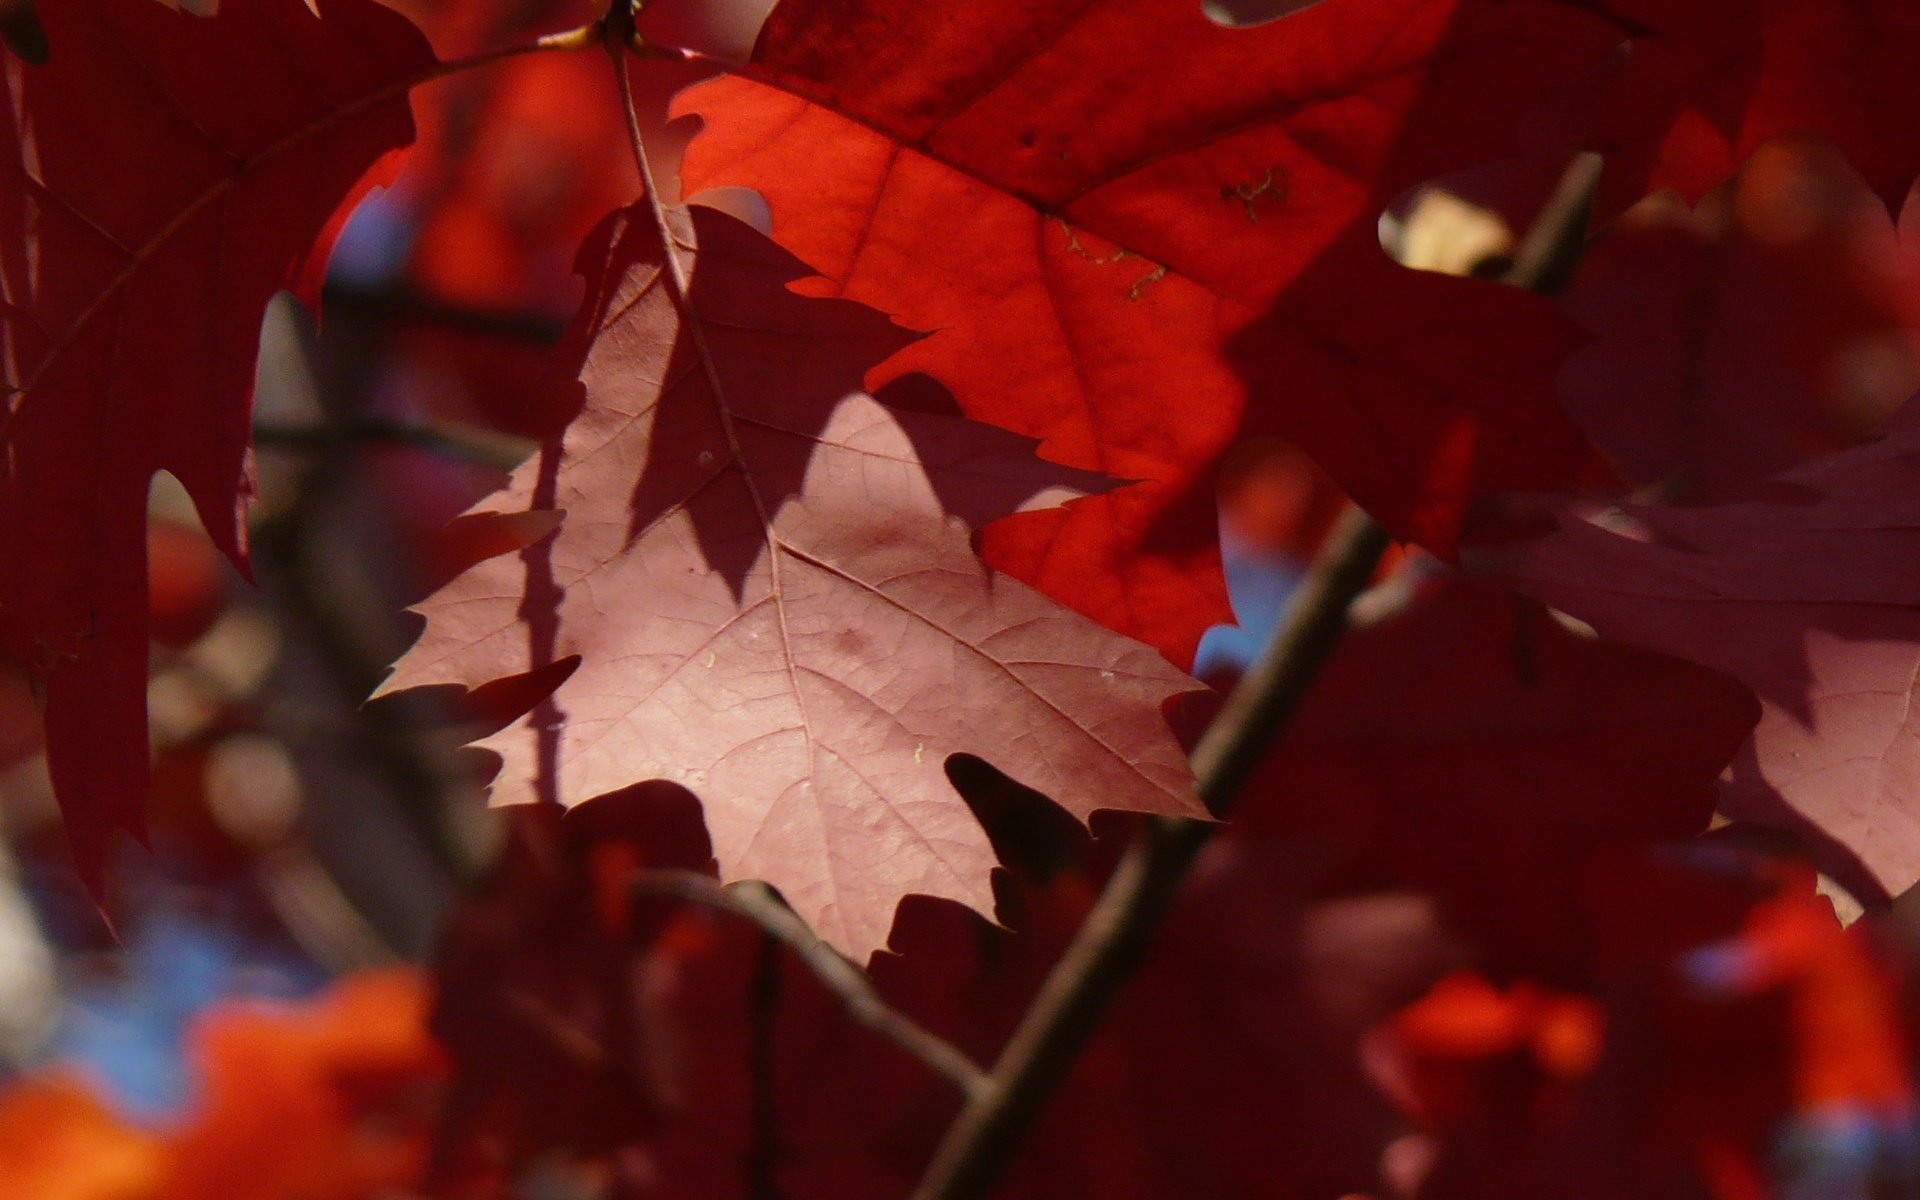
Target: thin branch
1114, 937
452, 440
1112, 940
1547, 253
764, 1155
402, 305
758, 903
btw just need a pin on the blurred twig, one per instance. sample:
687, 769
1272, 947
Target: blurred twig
464, 442
758, 903
402, 304
764, 1152
1546, 254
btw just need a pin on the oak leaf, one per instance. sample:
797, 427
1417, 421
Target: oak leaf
164, 176
1088, 202
767, 582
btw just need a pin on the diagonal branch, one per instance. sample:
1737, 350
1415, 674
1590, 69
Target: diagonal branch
758, 903
1115, 935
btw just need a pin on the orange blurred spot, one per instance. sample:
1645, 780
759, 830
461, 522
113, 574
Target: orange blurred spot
59, 1142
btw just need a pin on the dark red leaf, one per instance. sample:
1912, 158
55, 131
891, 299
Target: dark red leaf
165, 176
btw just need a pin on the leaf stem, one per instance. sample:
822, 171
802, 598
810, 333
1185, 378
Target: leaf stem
758, 903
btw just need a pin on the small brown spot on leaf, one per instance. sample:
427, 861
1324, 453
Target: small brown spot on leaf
1074, 247
1141, 284
1273, 185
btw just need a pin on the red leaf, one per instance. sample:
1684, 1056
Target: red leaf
1088, 201
770, 603
1802, 587
130, 303
329, 1099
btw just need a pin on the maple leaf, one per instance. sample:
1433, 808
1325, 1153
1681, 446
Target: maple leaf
772, 603
130, 304
1802, 587
1087, 202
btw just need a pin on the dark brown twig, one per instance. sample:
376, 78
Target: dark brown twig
1110, 943
763, 1157
402, 305
465, 443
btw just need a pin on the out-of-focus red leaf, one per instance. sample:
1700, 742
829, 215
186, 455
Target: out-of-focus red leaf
1471, 745
328, 1101
1849, 1048
20, 30
531, 156
536, 996
186, 585
1250, 1006
1738, 1043
1705, 82
1469, 1051
130, 303
1274, 500
1740, 338
324, 1100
